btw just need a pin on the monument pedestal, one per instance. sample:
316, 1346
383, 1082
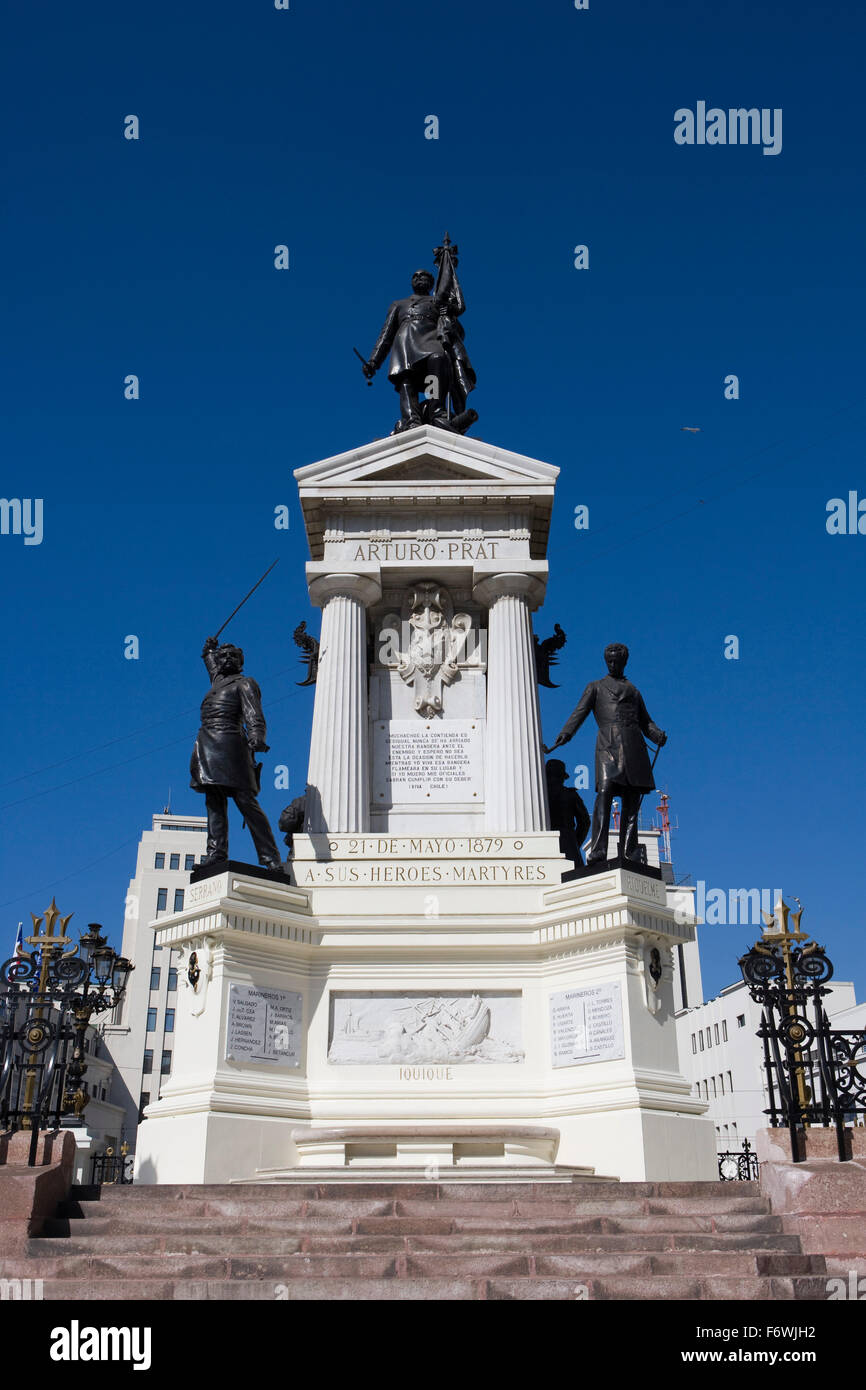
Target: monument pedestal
383, 1010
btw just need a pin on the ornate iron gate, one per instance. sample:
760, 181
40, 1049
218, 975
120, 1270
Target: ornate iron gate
816, 1075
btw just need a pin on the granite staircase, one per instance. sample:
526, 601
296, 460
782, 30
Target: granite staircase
426, 1240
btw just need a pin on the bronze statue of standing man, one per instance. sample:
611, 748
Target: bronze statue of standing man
222, 763
429, 366
622, 765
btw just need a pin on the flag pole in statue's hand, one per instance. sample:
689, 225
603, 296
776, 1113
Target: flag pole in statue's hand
244, 599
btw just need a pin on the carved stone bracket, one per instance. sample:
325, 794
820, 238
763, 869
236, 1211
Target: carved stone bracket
203, 948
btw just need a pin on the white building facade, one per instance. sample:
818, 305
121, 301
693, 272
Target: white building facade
139, 1038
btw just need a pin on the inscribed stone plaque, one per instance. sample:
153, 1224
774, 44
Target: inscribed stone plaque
586, 1025
264, 1025
427, 760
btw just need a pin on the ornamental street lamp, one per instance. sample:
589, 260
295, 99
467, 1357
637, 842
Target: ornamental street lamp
48, 996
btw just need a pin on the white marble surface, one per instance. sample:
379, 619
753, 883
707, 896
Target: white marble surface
428, 760
462, 1028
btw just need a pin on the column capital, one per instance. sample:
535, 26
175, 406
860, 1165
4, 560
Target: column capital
520, 585
365, 588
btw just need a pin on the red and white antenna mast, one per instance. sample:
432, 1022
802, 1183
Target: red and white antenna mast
663, 809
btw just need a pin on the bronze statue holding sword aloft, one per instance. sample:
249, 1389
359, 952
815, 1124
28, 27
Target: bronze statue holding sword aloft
222, 764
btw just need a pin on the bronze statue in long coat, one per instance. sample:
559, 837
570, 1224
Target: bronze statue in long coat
622, 765
222, 763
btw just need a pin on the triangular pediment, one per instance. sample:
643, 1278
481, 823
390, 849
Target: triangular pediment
428, 470
426, 455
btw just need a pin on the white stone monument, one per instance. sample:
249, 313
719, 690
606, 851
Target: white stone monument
425, 995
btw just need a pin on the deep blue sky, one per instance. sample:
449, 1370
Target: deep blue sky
306, 127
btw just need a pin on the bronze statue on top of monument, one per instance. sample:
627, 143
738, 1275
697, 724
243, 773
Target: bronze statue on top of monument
622, 765
428, 354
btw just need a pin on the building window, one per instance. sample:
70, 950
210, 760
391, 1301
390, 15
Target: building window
161, 899
159, 861
715, 1092
722, 1081
147, 1068
730, 1083
716, 1031
178, 899
709, 1038
189, 862
143, 1100
724, 1030
701, 1039
694, 1043
202, 858
174, 861
172, 979
151, 1020
165, 1065
154, 977
741, 1020
169, 1020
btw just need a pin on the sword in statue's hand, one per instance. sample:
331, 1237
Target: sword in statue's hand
652, 767
244, 599
368, 371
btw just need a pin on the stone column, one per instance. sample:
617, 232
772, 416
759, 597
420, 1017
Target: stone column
338, 782
515, 788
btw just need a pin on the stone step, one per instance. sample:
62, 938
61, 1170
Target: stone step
280, 1214
213, 1255
647, 1232
286, 1259
625, 1287
667, 1289
719, 1194
103, 1233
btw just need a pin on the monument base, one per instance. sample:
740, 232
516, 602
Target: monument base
484, 1154
203, 871
393, 1008
633, 866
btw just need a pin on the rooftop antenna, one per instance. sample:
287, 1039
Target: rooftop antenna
166, 810
663, 809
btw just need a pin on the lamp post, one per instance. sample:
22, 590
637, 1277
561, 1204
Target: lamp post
60, 990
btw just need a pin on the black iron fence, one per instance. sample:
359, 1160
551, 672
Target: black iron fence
47, 999
816, 1075
739, 1165
111, 1167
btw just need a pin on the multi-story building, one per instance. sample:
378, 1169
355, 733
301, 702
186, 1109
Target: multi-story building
139, 1037
722, 1056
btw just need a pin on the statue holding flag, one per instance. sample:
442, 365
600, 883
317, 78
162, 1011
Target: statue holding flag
429, 367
